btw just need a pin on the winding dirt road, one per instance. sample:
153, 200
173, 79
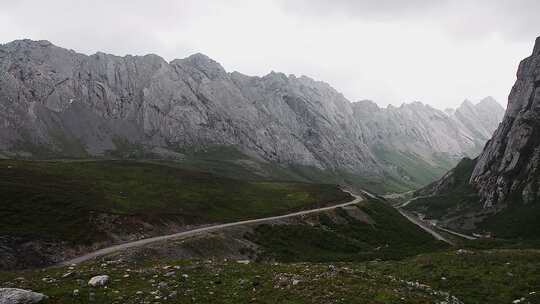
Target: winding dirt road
424, 226
139, 243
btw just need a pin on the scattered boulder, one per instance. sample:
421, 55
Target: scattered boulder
100, 280
20, 296
463, 252
170, 274
67, 274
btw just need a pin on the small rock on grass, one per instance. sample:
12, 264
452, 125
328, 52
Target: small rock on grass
100, 280
20, 296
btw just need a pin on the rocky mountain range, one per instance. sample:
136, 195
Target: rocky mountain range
55, 102
423, 139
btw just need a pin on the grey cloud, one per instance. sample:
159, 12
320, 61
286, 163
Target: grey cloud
382, 9
120, 26
512, 19
350, 44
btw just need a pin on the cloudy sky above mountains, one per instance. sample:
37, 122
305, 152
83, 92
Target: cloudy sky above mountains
435, 51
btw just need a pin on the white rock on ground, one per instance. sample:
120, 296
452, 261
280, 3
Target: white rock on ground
100, 280
20, 296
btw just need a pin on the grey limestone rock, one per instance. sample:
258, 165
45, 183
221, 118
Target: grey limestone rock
20, 296
56, 102
508, 168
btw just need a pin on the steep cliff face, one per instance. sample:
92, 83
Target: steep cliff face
508, 168
56, 102
499, 191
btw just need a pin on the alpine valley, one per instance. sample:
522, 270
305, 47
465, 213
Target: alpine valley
136, 180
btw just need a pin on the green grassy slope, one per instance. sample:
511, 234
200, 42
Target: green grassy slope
228, 161
221, 282
388, 236
454, 198
518, 220
495, 277
56, 200
412, 170
475, 277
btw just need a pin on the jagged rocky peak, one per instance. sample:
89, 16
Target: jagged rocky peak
366, 105
483, 117
489, 102
56, 102
419, 129
198, 61
28, 43
450, 111
509, 167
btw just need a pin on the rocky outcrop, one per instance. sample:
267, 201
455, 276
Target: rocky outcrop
20, 296
56, 102
98, 281
508, 168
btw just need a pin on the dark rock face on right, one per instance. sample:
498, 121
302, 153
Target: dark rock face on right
498, 192
508, 168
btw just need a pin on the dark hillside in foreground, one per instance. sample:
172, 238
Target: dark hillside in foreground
453, 277
51, 206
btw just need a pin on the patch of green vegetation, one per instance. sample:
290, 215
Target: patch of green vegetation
235, 164
495, 276
497, 243
62, 146
380, 184
214, 152
474, 277
228, 161
68, 145
219, 282
412, 169
124, 149
57, 200
455, 198
391, 236
439, 206
372, 183
517, 221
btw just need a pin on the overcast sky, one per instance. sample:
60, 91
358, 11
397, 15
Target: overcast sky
437, 52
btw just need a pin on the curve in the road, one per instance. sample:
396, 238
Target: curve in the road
468, 237
424, 226
120, 247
